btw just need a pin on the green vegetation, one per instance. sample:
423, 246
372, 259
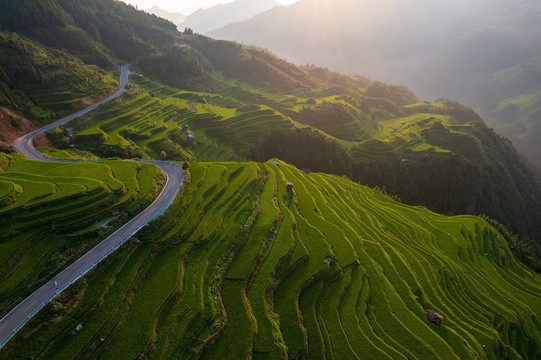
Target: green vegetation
81, 28
241, 266
438, 154
45, 83
238, 100
144, 125
52, 213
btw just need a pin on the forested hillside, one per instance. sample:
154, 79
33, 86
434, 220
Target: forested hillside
45, 83
94, 30
274, 247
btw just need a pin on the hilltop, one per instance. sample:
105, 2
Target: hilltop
175, 17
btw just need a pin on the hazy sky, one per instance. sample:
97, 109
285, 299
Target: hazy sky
179, 5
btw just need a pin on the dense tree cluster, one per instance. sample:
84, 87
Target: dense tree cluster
305, 148
173, 65
83, 27
30, 71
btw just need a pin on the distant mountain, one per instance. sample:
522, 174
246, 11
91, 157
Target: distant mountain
205, 20
175, 18
480, 52
189, 11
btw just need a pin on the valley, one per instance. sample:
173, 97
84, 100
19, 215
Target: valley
484, 54
318, 215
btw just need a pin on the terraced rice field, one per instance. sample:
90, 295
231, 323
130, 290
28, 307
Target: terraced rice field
51, 213
241, 268
149, 125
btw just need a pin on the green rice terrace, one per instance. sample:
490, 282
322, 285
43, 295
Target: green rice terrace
52, 213
436, 154
245, 265
150, 123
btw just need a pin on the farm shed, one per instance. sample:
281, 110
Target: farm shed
289, 185
434, 317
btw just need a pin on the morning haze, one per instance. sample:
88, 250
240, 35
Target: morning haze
483, 53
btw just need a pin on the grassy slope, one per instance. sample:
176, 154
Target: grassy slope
49, 216
240, 266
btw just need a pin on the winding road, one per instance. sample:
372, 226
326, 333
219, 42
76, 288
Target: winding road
13, 321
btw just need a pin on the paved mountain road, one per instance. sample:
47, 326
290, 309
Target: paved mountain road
27, 308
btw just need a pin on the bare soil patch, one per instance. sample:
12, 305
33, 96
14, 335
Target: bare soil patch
12, 126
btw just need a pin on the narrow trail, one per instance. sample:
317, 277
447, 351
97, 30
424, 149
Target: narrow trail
13, 321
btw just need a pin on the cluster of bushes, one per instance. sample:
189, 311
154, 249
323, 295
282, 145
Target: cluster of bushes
172, 65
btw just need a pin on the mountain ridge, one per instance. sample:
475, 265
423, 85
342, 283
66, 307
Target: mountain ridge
219, 15
175, 17
450, 49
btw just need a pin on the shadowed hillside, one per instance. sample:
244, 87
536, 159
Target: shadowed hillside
45, 83
84, 27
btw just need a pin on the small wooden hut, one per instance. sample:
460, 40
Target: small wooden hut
289, 185
434, 317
